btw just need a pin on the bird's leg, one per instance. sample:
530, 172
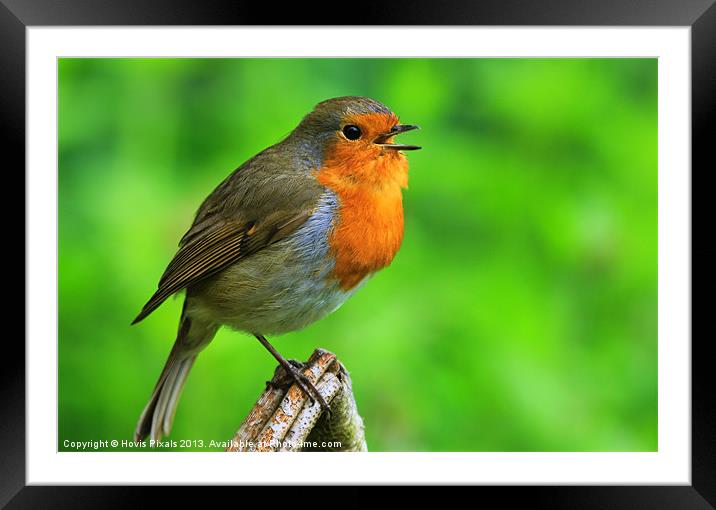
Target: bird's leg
292, 369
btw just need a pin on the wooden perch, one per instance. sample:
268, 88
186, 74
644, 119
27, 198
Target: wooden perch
285, 419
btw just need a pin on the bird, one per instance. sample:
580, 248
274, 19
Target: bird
285, 240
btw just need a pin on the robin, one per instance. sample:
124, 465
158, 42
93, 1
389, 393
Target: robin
285, 239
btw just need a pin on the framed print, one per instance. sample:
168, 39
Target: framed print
482, 233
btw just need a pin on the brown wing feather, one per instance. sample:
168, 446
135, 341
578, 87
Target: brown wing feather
195, 261
215, 248
202, 246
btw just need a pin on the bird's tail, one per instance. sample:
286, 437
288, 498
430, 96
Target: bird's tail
158, 415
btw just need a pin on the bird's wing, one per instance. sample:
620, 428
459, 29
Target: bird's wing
213, 245
261, 202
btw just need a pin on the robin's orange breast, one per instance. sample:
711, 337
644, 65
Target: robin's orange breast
369, 229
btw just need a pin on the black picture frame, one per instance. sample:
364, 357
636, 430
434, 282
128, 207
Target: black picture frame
700, 15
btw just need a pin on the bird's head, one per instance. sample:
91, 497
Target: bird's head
357, 139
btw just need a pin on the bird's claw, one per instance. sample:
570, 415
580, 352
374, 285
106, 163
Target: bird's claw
294, 375
310, 390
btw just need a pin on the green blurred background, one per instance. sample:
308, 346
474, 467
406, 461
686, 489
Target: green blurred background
519, 315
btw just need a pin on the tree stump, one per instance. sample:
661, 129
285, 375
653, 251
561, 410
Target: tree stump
284, 419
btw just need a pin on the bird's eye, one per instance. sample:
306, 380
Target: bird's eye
352, 132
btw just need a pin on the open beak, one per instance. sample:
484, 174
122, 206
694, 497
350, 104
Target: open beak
384, 139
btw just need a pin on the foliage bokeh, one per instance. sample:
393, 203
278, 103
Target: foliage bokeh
519, 315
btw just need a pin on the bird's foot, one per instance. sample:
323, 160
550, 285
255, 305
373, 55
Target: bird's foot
292, 374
